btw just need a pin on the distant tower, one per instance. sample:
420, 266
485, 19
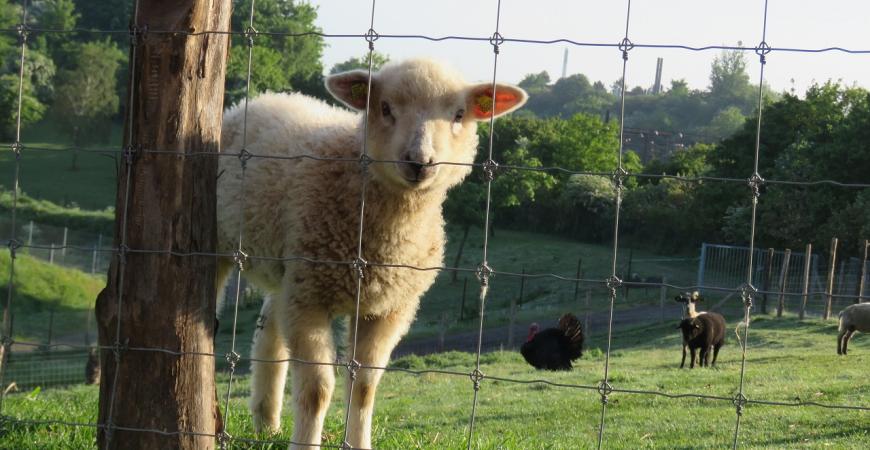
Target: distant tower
565, 63
657, 87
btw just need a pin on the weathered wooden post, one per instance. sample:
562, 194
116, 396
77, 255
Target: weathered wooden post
663, 293
832, 264
783, 281
863, 275
808, 259
165, 201
768, 272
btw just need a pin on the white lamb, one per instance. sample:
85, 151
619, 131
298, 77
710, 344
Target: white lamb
852, 318
422, 114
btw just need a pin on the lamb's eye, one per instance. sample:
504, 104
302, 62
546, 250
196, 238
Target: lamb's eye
459, 115
385, 109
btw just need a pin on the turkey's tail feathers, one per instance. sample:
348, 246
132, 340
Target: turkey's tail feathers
570, 325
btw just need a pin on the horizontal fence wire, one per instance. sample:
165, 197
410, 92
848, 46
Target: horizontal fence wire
603, 389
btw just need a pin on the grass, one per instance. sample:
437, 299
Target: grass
787, 359
48, 213
47, 295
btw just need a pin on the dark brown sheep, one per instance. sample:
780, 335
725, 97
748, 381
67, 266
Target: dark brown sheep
705, 332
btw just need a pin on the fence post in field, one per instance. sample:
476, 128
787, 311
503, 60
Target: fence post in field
462, 304
627, 276
702, 261
863, 275
783, 280
768, 272
663, 292
586, 329
806, 285
94, 261
50, 325
51, 254
162, 300
29, 237
63, 247
577, 280
832, 264
513, 309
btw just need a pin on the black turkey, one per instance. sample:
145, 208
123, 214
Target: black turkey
554, 348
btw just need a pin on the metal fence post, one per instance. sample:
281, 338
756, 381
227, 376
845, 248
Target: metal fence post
832, 265
783, 280
808, 257
863, 275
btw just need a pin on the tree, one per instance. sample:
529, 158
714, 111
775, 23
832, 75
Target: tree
86, 94
280, 62
32, 109
729, 82
378, 61
536, 83
57, 15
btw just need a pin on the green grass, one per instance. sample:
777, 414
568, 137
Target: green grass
47, 294
786, 359
45, 212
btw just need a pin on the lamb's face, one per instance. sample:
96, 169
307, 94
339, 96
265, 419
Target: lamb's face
422, 123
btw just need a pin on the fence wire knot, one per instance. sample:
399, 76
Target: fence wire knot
476, 377
353, 366
245, 156
240, 258
261, 322
136, 32
130, 152
605, 389
756, 183
365, 161
625, 46
371, 36
23, 30
489, 169
6, 342
13, 245
484, 273
739, 401
123, 249
250, 33
496, 40
618, 176
224, 438
358, 265
746, 292
232, 359
117, 349
762, 50
613, 283
16, 149
346, 446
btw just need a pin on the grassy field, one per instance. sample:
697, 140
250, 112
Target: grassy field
787, 360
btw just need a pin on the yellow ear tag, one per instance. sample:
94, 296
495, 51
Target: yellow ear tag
484, 103
358, 91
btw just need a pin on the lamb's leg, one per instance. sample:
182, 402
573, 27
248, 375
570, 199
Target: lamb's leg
376, 339
268, 378
840, 341
702, 358
309, 335
846, 339
692, 363
715, 354
683, 362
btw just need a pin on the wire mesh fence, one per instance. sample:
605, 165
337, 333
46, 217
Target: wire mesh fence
739, 273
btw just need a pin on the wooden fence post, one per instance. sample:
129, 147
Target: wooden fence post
768, 271
161, 300
462, 304
863, 275
832, 265
586, 330
783, 280
806, 285
663, 292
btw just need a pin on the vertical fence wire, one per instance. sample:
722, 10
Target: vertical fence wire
359, 264
6, 340
129, 154
755, 184
484, 271
239, 256
604, 388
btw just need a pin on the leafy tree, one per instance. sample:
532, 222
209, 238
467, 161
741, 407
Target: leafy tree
86, 92
729, 82
57, 15
536, 83
378, 61
32, 109
280, 62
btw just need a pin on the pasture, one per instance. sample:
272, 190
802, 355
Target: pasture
787, 360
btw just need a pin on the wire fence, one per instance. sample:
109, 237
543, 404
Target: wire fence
612, 284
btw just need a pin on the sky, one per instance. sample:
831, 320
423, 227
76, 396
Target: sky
790, 24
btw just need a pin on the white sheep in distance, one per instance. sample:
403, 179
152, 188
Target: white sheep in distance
852, 318
421, 114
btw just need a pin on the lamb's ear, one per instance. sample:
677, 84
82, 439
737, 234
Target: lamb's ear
350, 88
482, 106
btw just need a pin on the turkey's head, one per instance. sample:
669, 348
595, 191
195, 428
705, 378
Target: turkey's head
533, 330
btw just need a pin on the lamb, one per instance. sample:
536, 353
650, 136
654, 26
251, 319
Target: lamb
706, 332
422, 114
689, 298
852, 318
